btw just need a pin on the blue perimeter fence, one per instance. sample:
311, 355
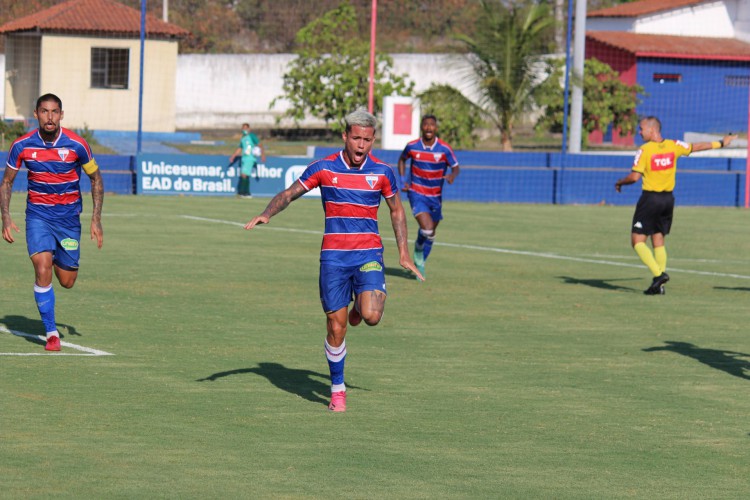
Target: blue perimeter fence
546, 178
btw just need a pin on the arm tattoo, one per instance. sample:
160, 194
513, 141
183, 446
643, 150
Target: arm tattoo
277, 204
398, 220
97, 194
283, 199
6, 188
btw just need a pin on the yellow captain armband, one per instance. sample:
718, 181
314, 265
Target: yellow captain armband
717, 144
91, 167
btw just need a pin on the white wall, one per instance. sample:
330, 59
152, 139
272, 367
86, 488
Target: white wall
711, 19
721, 19
222, 91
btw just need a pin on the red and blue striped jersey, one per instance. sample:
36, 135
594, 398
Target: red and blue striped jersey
351, 198
54, 172
428, 166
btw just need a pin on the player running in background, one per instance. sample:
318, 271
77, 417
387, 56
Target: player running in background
54, 157
430, 159
656, 163
250, 149
351, 185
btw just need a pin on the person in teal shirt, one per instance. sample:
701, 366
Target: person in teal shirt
250, 149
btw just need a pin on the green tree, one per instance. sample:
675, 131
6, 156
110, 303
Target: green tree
458, 116
9, 132
609, 101
329, 78
504, 50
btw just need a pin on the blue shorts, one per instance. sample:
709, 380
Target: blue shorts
61, 237
432, 205
338, 285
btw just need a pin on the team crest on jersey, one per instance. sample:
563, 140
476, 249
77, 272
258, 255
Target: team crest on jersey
63, 153
69, 244
371, 266
437, 156
371, 180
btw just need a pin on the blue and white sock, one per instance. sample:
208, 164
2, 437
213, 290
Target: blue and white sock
427, 238
419, 243
45, 303
336, 357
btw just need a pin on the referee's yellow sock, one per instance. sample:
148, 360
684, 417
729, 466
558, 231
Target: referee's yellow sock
660, 255
647, 258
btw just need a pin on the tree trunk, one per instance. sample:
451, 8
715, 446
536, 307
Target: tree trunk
506, 139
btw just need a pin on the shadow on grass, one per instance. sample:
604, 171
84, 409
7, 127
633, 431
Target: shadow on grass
604, 284
726, 361
35, 327
399, 272
733, 288
303, 383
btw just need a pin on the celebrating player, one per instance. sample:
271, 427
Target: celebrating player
53, 157
656, 163
430, 158
351, 184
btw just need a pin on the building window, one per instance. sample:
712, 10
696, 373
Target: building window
662, 78
109, 68
736, 81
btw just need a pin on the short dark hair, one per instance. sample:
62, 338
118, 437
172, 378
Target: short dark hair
655, 121
428, 117
48, 97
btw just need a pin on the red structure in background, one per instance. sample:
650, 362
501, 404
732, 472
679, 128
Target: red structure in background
402, 119
624, 63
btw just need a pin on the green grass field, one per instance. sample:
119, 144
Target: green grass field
528, 365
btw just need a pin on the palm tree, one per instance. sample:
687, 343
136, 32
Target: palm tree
503, 50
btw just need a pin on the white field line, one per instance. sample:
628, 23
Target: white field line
681, 259
87, 350
543, 255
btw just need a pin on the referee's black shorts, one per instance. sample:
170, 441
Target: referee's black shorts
653, 213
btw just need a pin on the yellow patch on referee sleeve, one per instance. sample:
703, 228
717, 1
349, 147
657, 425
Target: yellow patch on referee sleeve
91, 167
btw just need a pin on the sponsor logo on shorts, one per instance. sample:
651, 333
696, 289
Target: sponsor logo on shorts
638, 225
371, 266
69, 244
